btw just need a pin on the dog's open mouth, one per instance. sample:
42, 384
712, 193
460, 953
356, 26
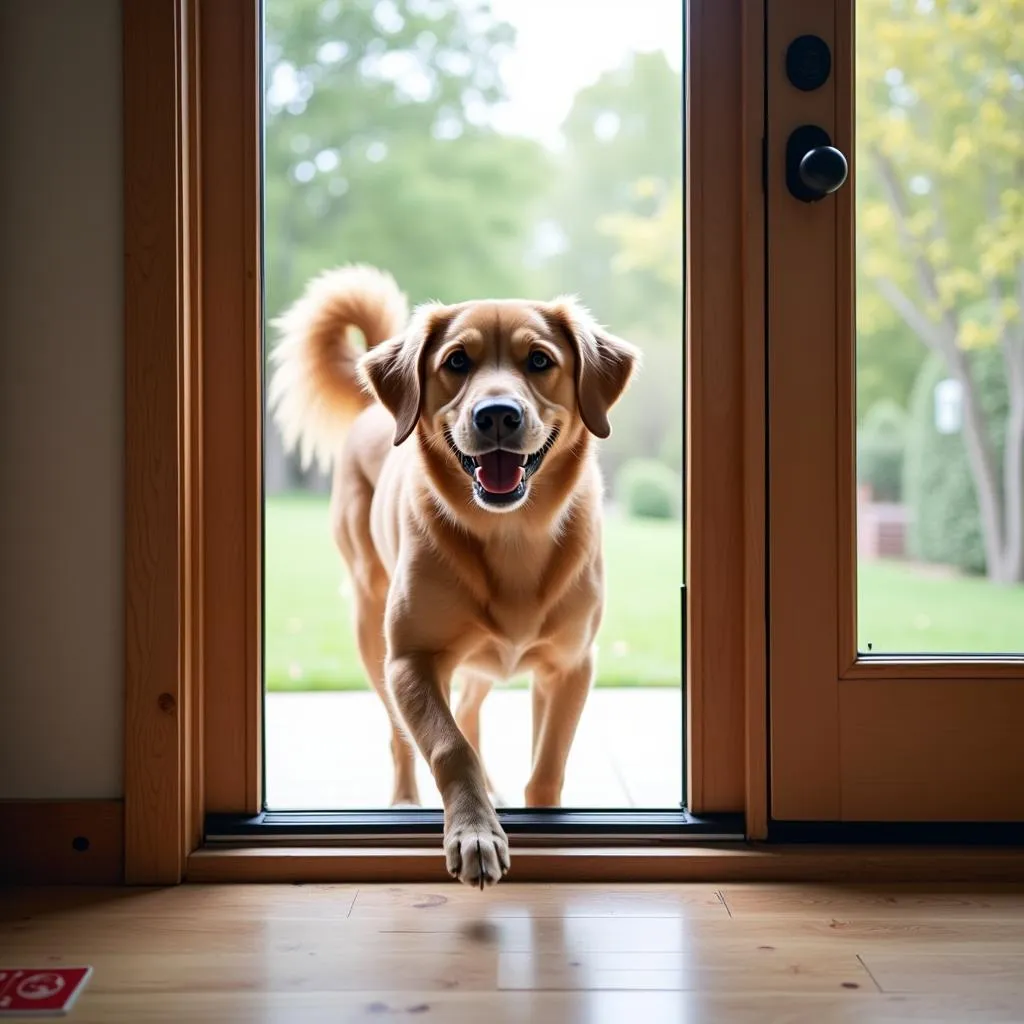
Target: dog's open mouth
500, 477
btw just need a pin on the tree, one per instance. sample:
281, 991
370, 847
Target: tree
940, 161
937, 487
652, 243
378, 148
889, 359
623, 155
649, 260
618, 209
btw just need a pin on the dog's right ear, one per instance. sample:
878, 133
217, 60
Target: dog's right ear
393, 370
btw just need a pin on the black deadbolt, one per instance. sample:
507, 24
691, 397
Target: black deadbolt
808, 62
814, 167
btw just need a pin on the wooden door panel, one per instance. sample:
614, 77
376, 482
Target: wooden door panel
853, 738
932, 750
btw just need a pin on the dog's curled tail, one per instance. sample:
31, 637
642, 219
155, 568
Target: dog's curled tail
315, 391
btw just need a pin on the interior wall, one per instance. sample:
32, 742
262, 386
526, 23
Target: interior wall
61, 399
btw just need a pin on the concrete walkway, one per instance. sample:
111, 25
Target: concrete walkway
329, 751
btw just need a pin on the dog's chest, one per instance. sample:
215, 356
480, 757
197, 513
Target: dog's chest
518, 619
506, 645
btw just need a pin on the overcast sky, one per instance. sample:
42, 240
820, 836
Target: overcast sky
564, 45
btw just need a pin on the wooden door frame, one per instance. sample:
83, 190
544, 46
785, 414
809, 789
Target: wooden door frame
161, 348
853, 739
193, 427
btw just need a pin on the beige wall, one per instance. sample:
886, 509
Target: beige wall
61, 404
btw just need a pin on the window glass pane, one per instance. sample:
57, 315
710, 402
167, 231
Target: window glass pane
473, 150
940, 332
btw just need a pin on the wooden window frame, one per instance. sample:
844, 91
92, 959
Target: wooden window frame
193, 449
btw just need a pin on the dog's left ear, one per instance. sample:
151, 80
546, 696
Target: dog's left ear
604, 363
393, 370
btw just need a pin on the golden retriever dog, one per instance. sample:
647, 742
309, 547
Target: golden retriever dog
466, 502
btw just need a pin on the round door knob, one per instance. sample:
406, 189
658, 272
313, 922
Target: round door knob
814, 167
823, 170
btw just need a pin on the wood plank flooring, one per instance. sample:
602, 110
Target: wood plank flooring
645, 954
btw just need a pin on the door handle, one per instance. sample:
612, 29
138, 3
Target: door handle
814, 167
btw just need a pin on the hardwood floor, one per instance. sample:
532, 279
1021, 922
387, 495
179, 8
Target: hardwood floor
798, 954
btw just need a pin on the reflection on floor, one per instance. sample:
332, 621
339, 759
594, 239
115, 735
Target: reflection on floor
328, 751
547, 954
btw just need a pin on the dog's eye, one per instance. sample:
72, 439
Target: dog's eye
457, 362
538, 361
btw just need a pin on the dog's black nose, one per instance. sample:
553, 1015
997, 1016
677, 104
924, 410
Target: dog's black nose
497, 417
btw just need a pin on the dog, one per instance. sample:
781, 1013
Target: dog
466, 502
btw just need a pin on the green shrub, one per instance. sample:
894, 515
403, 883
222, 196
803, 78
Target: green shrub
937, 482
881, 443
648, 489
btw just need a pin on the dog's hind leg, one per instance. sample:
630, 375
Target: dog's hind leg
351, 499
473, 689
558, 700
372, 651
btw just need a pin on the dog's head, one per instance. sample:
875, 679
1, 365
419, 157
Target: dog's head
500, 387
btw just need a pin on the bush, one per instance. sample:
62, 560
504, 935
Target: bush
649, 490
881, 443
937, 481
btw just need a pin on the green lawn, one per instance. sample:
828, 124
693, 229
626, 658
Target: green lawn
930, 611
310, 646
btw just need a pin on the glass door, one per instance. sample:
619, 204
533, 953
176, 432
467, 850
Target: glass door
461, 148
895, 255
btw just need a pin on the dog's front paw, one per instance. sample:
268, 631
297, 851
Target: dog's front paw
476, 849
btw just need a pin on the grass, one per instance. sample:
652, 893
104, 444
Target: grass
309, 638
926, 610
310, 644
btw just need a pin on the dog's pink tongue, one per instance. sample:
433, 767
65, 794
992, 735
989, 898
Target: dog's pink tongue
499, 472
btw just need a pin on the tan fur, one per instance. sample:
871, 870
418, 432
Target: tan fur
444, 582
314, 391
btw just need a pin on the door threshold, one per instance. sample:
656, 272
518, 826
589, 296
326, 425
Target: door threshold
725, 862
526, 826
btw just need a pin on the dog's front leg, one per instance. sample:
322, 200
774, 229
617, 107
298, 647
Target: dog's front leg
475, 845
